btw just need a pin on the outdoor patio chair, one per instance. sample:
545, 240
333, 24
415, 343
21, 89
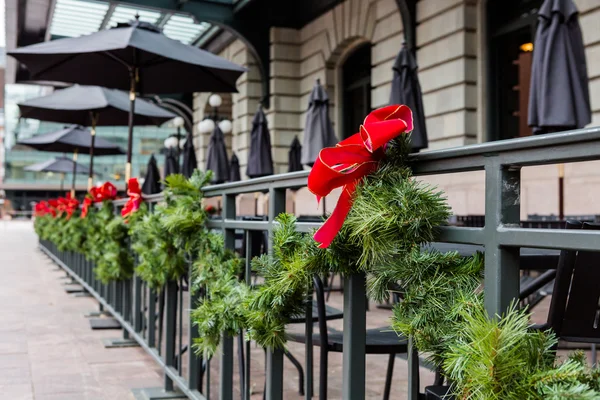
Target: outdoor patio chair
378, 341
574, 314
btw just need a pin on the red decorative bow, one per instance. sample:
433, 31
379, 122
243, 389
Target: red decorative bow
107, 191
87, 202
135, 198
42, 208
351, 159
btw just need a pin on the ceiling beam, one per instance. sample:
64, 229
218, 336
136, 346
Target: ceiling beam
107, 16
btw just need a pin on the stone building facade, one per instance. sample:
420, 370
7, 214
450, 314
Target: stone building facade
452, 51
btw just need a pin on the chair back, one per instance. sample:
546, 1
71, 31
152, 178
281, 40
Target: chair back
575, 309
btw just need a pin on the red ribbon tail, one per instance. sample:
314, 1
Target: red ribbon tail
327, 232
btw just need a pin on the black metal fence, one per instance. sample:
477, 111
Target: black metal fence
140, 310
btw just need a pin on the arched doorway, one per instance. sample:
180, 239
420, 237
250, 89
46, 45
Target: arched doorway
356, 89
511, 26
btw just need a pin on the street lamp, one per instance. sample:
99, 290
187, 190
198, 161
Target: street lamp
179, 123
207, 125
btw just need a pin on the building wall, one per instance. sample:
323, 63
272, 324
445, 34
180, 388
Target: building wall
451, 55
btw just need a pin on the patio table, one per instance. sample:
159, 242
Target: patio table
531, 259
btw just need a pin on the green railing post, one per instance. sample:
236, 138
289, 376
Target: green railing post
413, 371
226, 364
353, 375
275, 356
194, 361
502, 208
170, 323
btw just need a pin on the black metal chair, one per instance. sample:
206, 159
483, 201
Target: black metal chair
574, 313
378, 341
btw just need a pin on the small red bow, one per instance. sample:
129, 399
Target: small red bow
352, 159
42, 208
87, 202
107, 191
135, 198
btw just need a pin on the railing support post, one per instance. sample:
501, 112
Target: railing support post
353, 383
226, 368
170, 323
502, 208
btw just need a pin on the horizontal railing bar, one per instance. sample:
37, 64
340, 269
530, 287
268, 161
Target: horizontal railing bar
263, 184
238, 224
463, 235
561, 239
307, 226
510, 145
170, 371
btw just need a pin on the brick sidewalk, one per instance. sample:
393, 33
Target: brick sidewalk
47, 349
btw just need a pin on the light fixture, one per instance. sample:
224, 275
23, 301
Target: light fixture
182, 144
226, 126
170, 142
215, 101
526, 47
206, 126
178, 122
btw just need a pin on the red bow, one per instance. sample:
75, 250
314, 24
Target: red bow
351, 159
42, 208
135, 198
87, 202
107, 191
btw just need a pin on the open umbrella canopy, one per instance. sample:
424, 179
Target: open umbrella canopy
216, 156
59, 165
189, 156
152, 179
234, 169
559, 98
70, 139
318, 131
260, 161
79, 104
294, 155
406, 89
108, 57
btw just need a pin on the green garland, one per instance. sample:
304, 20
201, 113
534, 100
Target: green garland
176, 230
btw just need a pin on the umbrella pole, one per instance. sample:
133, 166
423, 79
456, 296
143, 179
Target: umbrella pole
74, 173
561, 191
62, 181
93, 134
133, 76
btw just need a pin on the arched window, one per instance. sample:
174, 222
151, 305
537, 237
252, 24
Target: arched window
356, 83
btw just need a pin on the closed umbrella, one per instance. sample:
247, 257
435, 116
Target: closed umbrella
234, 169
71, 139
260, 161
406, 89
189, 156
171, 166
294, 156
216, 156
134, 56
152, 179
559, 97
92, 106
59, 165
318, 132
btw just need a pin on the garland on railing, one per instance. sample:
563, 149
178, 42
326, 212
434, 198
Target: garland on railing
173, 232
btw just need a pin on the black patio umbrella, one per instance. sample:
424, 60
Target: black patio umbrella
92, 106
318, 132
152, 179
189, 156
71, 139
406, 89
171, 166
134, 56
234, 169
216, 156
559, 97
294, 155
59, 165
260, 161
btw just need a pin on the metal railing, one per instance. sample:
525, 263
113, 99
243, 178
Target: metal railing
501, 236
